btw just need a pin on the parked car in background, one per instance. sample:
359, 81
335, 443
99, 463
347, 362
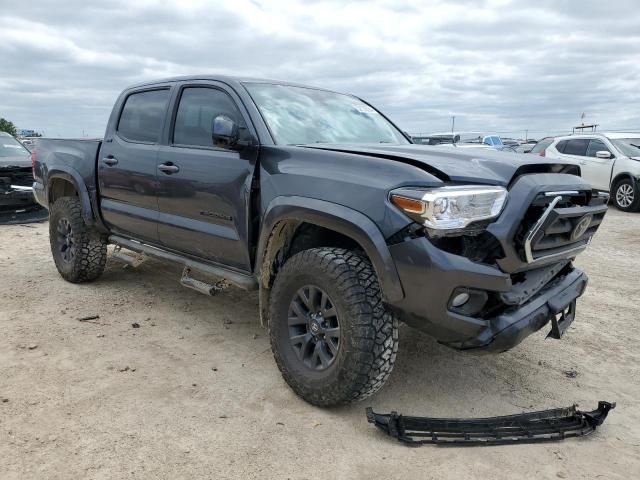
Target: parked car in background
17, 203
27, 142
608, 161
511, 142
458, 138
435, 139
524, 148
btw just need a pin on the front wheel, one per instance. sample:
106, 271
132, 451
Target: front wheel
626, 196
79, 251
331, 335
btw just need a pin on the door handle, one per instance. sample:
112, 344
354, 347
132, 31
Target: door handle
168, 168
110, 160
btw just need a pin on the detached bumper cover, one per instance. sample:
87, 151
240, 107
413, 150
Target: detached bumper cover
542, 426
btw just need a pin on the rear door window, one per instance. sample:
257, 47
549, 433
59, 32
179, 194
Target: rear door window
143, 115
576, 146
561, 145
596, 145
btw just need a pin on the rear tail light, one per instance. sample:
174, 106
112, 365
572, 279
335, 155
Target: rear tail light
542, 153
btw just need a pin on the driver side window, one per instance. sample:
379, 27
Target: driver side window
596, 145
197, 110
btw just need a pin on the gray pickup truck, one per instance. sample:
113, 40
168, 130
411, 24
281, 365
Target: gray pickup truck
319, 201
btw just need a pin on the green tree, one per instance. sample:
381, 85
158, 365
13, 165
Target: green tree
7, 126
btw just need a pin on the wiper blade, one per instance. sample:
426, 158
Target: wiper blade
542, 426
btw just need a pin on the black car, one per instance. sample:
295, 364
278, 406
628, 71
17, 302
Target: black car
17, 204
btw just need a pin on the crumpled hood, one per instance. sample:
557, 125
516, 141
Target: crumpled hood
473, 165
15, 161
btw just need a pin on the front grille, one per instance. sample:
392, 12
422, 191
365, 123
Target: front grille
22, 177
558, 223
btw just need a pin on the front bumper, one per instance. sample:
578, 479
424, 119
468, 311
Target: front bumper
19, 206
430, 277
517, 290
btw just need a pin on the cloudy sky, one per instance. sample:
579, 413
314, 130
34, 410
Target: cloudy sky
497, 65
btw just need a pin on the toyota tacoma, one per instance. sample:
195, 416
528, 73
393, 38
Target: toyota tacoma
320, 202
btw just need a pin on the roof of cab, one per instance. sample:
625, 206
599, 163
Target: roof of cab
221, 78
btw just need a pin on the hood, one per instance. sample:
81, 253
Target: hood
15, 161
448, 163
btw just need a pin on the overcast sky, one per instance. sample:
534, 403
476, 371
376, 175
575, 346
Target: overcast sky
496, 65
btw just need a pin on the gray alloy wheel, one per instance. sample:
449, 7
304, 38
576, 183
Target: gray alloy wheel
626, 196
314, 329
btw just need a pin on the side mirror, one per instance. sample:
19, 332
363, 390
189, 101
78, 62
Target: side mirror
603, 154
224, 131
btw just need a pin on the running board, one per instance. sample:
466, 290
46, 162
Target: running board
199, 286
542, 426
246, 282
129, 260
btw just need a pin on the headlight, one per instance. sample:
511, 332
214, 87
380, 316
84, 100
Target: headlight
450, 208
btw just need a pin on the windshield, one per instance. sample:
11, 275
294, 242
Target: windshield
10, 147
629, 147
298, 116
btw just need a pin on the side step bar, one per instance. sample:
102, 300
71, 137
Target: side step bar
199, 286
542, 426
246, 282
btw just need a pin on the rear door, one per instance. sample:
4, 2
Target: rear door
204, 199
573, 150
597, 171
127, 164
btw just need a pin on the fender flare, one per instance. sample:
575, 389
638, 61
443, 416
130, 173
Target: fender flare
619, 177
342, 219
73, 177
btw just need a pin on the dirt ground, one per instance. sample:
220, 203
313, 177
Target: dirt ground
194, 391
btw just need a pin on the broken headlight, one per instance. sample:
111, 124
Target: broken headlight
449, 209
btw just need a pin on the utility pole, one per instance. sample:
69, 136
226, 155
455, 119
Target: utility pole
453, 123
526, 135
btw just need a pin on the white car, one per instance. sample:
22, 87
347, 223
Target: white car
609, 161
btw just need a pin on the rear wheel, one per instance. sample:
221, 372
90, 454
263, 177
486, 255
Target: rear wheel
626, 196
79, 251
332, 337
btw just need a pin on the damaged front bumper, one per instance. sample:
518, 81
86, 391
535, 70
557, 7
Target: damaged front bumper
542, 426
431, 278
18, 205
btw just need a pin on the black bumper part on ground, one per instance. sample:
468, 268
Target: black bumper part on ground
542, 426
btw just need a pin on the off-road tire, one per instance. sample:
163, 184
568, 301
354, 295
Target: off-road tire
369, 331
629, 185
90, 245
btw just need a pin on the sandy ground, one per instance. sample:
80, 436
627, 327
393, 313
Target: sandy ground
194, 391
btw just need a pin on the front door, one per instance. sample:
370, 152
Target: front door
203, 188
597, 171
127, 166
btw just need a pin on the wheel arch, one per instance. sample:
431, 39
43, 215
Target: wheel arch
329, 224
621, 176
68, 184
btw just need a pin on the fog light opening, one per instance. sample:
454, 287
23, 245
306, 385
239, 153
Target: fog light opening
459, 300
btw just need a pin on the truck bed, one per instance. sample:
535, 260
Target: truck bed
55, 155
